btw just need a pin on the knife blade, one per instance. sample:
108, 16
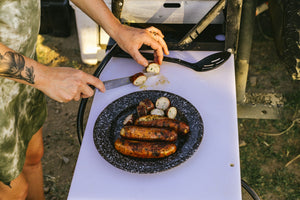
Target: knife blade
114, 83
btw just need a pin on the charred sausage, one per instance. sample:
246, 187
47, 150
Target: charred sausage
141, 110
163, 122
148, 104
143, 149
148, 133
138, 79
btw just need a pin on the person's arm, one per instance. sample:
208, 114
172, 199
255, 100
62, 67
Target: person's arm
128, 38
62, 84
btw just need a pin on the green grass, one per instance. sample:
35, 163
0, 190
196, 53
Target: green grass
264, 158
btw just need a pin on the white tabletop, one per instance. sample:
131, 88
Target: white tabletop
212, 173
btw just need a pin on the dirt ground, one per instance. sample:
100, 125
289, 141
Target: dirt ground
60, 138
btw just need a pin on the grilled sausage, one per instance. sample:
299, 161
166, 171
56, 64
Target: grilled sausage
148, 103
143, 149
148, 133
163, 122
157, 111
128, 120
162, 103
141, 110
138, 79
153, 67
171, 112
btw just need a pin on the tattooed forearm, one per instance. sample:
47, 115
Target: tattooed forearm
12, 65
29, 75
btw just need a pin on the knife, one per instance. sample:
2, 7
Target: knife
114, 83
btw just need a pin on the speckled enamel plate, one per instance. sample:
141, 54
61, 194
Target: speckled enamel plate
110, 121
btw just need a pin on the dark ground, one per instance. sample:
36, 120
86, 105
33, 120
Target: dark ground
264, 158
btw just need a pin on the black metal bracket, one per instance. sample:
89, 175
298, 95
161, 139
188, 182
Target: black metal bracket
201, 25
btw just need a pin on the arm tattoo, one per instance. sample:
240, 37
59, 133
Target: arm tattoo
12, 65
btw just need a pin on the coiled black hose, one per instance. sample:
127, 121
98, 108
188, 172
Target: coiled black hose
250, 191
113, 51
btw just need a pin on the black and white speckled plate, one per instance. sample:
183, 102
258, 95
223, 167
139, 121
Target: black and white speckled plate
110, 121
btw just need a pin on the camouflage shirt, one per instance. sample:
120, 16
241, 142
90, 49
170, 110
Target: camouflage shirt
22, 108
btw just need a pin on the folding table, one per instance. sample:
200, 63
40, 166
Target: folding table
211, 173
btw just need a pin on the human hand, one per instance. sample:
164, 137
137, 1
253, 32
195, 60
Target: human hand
131, 39
64, 84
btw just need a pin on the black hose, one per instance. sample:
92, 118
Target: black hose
114, 50
250, 191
